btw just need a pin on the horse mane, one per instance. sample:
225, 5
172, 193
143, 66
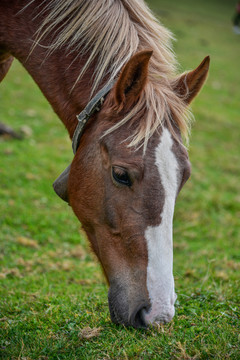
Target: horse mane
109, 32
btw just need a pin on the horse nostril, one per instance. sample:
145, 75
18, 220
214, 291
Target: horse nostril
136, 319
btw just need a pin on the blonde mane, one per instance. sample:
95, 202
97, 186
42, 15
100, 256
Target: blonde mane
110, 32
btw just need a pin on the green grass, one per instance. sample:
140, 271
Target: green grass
53, 297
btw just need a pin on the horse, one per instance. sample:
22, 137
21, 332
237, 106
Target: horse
111, 62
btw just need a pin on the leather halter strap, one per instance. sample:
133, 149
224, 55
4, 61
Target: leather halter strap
93, 106
60, 185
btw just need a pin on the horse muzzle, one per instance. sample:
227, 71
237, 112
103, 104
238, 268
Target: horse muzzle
132, 307
126, 310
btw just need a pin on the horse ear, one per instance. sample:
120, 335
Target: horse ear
133, 78
60, 185
190, 83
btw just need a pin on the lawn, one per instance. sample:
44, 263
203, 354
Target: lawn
53, 296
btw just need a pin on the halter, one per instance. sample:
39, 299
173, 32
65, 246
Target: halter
60, 185
93, 106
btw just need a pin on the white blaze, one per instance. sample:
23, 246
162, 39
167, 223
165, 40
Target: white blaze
160, 281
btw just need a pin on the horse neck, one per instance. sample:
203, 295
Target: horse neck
52, 73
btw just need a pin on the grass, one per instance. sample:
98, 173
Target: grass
53, 297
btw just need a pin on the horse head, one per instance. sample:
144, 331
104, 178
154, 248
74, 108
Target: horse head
124, 196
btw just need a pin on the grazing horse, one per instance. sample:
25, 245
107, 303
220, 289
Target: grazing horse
112, 62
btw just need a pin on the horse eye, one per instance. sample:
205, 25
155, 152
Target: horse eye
121, 176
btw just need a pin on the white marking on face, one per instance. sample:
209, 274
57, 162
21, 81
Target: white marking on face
160, 281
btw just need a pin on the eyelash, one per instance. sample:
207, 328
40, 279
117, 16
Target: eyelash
121, 176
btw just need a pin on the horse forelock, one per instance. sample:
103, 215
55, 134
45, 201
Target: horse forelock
127, 26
